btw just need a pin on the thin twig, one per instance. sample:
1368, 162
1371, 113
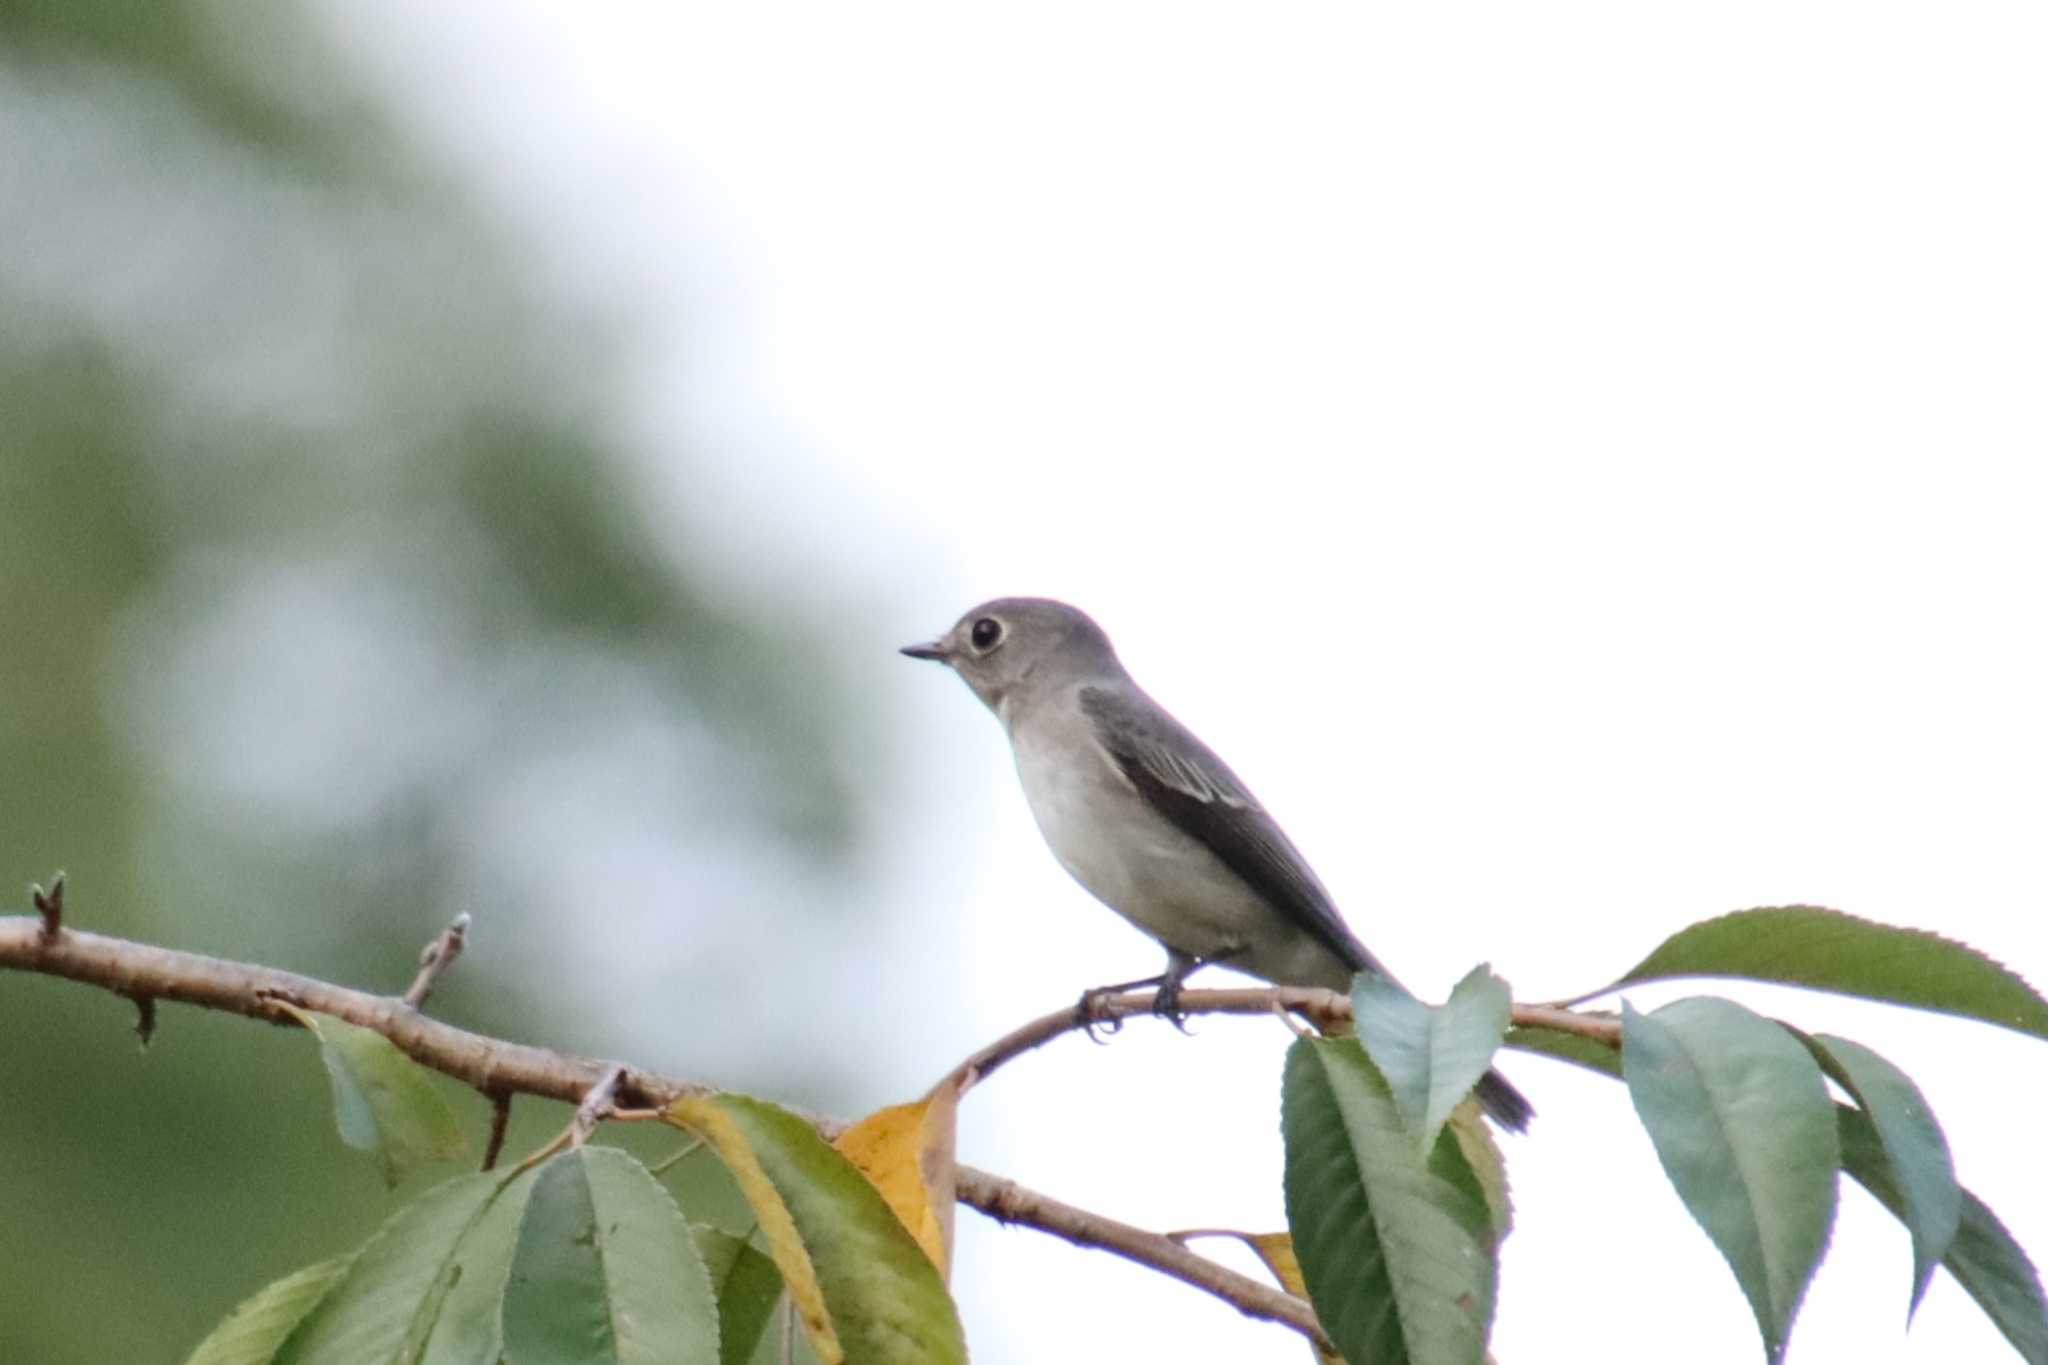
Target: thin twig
1185, 1235
681, 1154
1601, 1028
560, 1142
596, 1105
501, 1121
50, 905
1281, 1012
437, 957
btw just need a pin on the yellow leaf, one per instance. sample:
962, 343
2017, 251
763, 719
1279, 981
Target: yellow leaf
1482, 1153
701, 1115
1276, 1249
906, 1152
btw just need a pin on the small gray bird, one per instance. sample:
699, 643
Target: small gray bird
1151, 822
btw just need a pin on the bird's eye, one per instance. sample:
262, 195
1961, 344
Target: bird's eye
986, 632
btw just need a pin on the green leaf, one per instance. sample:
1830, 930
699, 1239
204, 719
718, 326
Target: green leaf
606, 1272
881, 1296
1397, 1252
1431, 1057
747, 1285
1984, 1258
383, 1102
1741, 1120
465, 1327
1914, 1148
252, 1333
1803, 945
1575, 1048
388, 1306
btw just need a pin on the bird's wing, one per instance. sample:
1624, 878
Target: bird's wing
1189, 785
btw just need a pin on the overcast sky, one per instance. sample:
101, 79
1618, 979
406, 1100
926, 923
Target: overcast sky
1583, 465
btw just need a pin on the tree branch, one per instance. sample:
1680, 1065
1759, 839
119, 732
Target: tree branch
1324, 1008
143, 971
1321, 1006
1008, 1202
498, 1069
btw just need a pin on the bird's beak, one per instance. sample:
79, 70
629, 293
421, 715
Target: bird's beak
930, 650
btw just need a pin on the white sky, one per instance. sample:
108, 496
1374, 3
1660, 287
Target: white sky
1582, 464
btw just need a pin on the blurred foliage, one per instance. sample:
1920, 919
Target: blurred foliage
330, 611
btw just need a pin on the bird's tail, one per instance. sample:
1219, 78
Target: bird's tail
1503, 1103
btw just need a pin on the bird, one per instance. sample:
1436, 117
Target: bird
1149, 820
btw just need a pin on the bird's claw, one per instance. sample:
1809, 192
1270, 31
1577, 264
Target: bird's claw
1089, 1017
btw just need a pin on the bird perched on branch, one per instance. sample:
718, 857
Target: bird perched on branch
1148, 819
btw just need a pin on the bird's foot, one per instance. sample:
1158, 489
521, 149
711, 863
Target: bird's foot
1166, 1003
1090, 1018
1090, 1013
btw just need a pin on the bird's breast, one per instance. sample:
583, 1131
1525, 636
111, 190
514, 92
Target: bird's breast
1129, 855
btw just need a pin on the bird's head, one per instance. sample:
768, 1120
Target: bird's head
1002, 644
